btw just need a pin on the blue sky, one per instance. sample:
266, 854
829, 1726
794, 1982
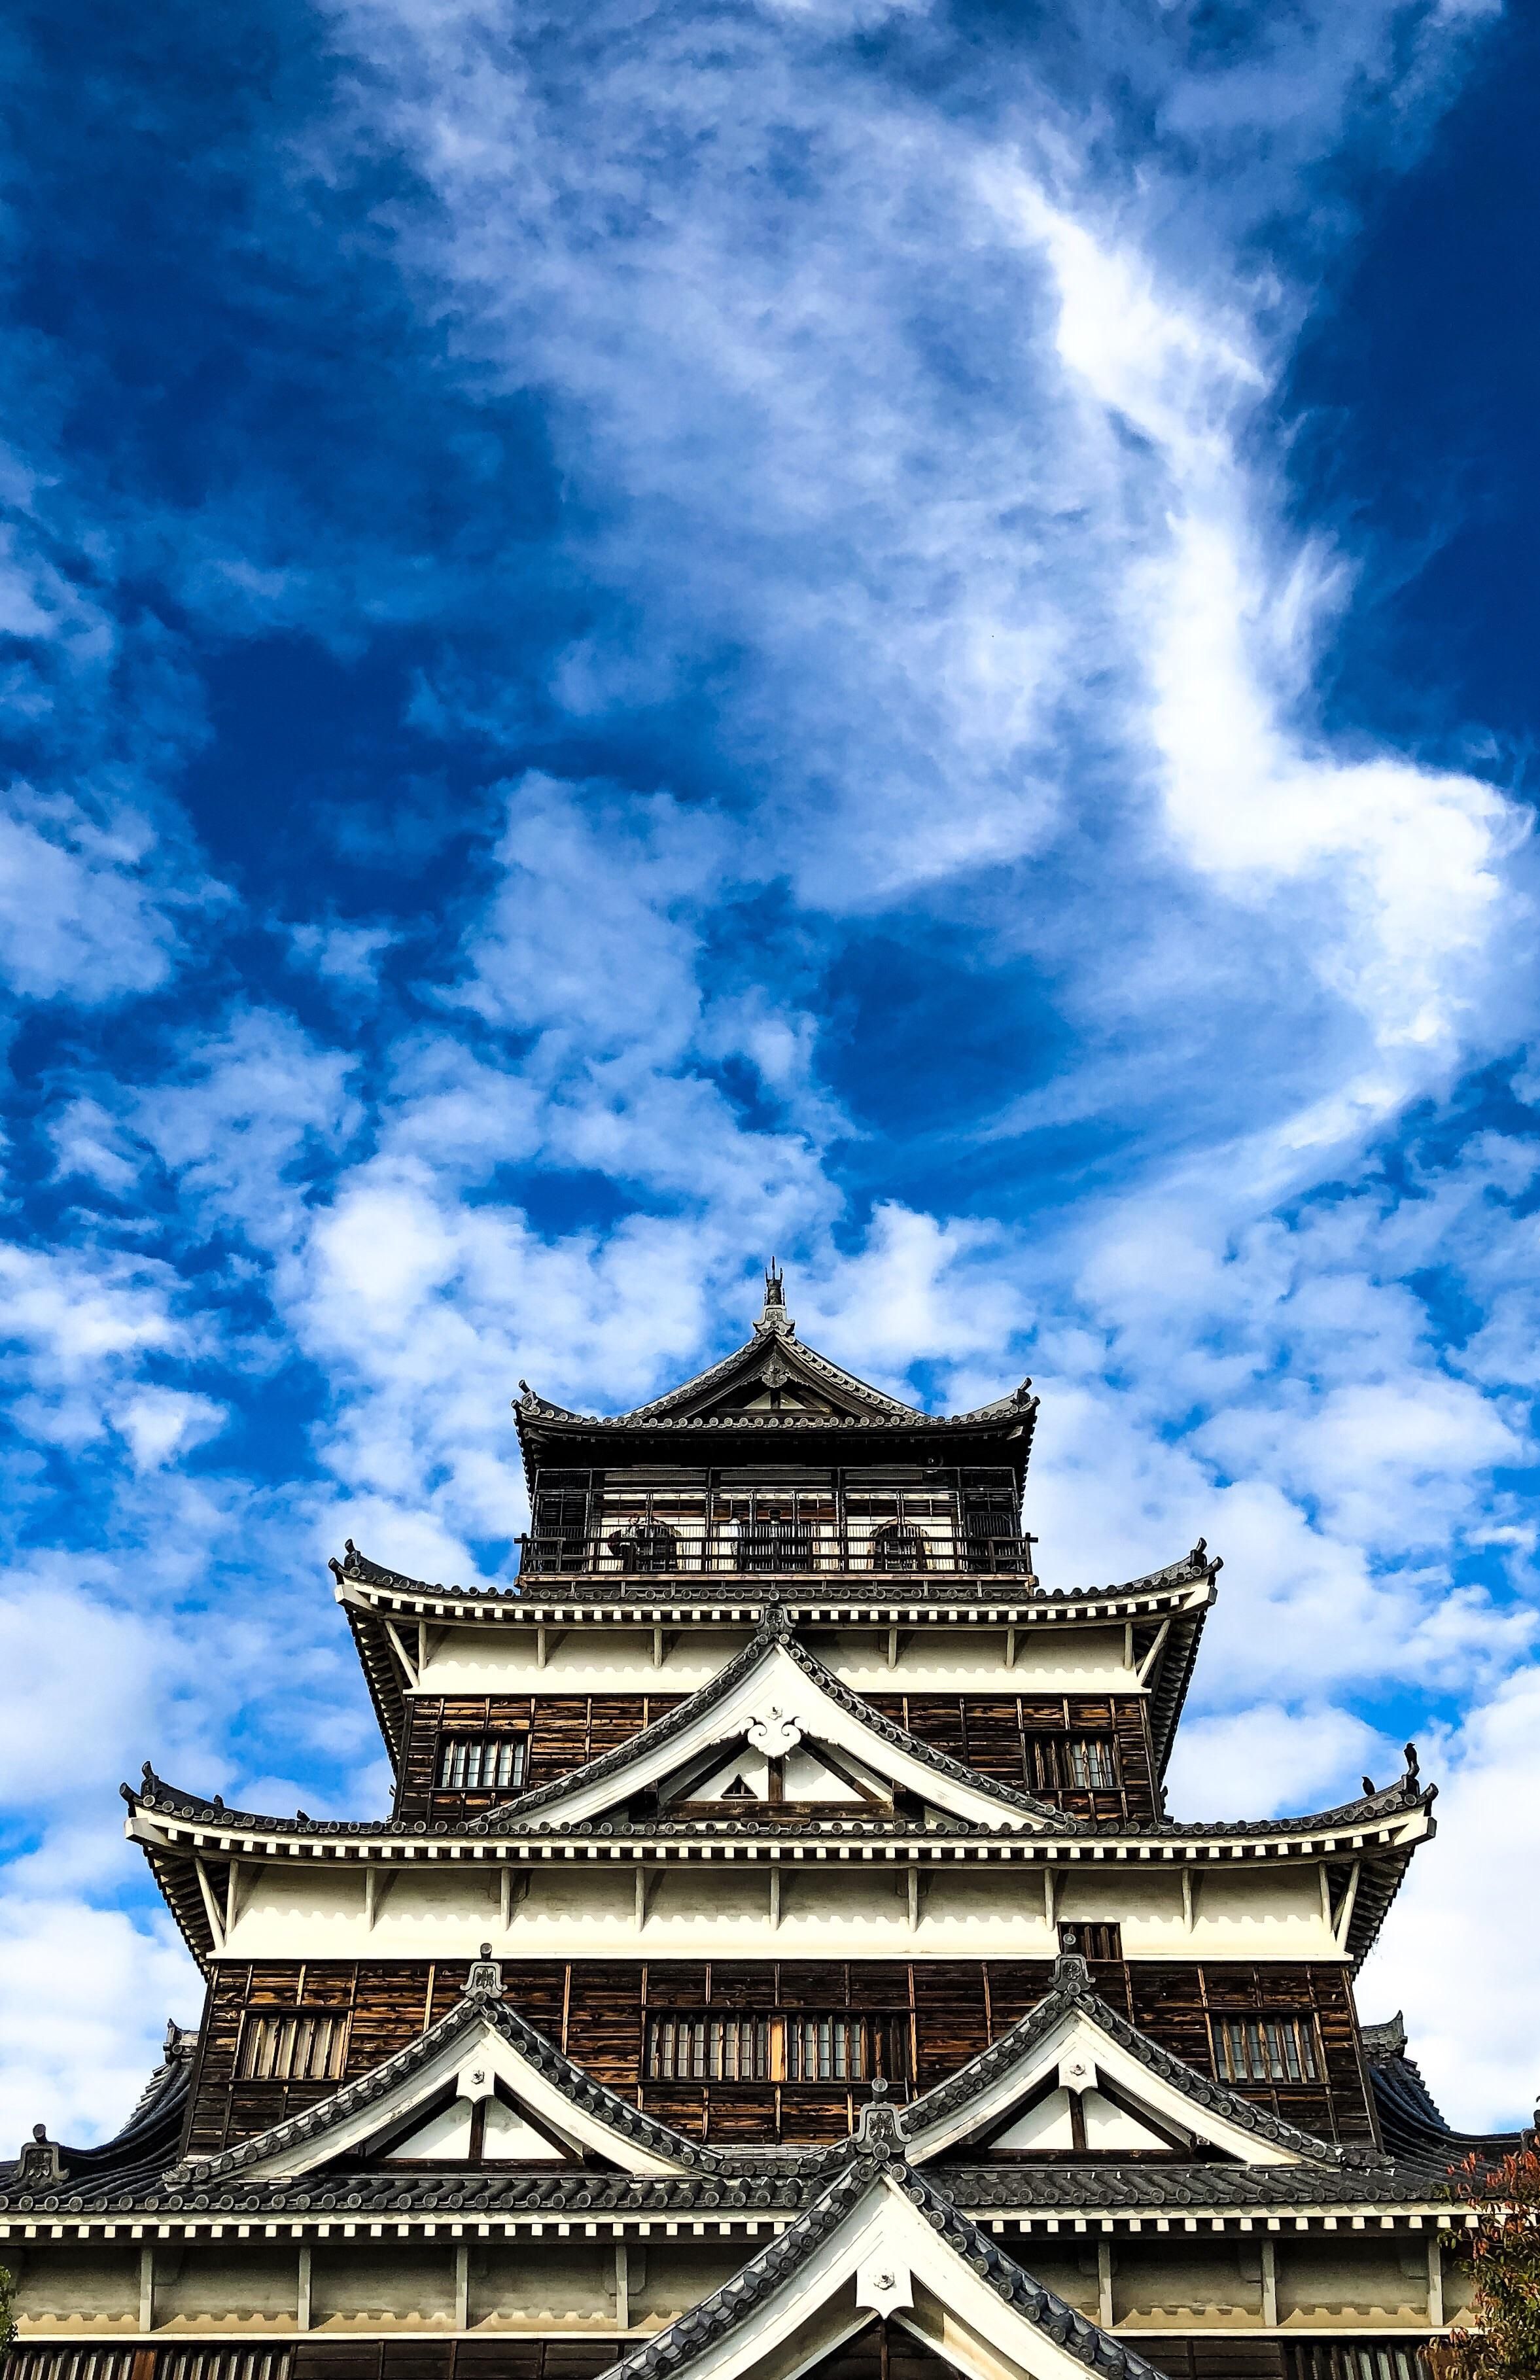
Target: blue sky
897, 635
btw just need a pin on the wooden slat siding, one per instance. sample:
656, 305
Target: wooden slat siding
604, 2026
950, 2020
564, 1732
993, 1734
808, 2115
957, 2007
1016, 1987
1224, 2359
505, 2357
1177, 2005
1135, 1764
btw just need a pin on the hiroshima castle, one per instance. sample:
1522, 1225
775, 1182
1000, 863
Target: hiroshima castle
779, 1960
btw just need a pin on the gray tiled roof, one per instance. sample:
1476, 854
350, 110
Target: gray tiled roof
1071, 1991
618, 2115
774, 1629
718, 2316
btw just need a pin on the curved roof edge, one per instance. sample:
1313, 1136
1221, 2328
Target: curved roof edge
748, 1588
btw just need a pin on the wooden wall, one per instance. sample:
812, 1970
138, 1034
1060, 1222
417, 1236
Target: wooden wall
565, 1731
992, 1733
947, 2010
995, 1733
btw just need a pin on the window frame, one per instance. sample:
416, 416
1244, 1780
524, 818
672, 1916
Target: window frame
515, 1740
1295, 2027
848, 2046
258, 2024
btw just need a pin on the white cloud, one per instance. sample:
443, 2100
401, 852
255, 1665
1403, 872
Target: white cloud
162, 1423
84, 1997
348, 956
1271, 1761
1462, 1948
934, 449
79, 913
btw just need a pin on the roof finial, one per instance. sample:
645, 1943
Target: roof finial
774, 1316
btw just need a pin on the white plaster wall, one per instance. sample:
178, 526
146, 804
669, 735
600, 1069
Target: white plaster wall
407, 2285
1349, 2277
1197, 2285
214, 2290
541, 2282
829, 1909
69, 2289
932, 1657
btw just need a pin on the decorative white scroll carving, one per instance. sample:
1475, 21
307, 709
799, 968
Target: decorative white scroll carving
774, 1731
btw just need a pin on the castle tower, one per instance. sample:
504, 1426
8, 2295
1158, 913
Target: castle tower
779, 1959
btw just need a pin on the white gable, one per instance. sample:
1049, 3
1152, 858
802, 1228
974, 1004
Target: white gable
1077, 2055
885, 2258
470, 2062
769, 1710
745, 1775
1048, 2127
506, 2138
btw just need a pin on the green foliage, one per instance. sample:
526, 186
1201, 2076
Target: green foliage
8, 2303
1502, 2341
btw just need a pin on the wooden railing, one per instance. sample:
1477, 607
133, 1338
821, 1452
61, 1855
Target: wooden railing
655, 1550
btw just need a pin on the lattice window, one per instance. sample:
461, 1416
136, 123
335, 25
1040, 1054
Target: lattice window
224, 2364
482, 1764
797, 2047
826, 2050
69, 2363
1266, 2050
708, 2049
1093, 1763
1380, 2359
309, 2046
1079, 1763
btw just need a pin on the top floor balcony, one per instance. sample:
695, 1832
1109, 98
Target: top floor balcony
841, 1530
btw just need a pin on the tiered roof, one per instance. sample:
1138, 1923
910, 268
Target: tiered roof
773, 1384
1166, 1609
775, 1680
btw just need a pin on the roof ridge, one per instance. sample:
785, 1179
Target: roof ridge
483, 2002
879, 2161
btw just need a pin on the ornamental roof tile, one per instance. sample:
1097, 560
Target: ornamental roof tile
998, 2190
775, 1353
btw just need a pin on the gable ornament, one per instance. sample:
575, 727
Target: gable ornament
486, 1975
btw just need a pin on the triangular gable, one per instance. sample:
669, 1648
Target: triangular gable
480, 2052
883, 2243
1132, 2094
775, 1370
777, 1364
771, 1697
757, 1779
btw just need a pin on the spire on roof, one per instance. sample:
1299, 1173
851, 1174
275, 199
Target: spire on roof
775, 1317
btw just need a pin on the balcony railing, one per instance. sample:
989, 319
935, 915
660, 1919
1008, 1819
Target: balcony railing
657, 1549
